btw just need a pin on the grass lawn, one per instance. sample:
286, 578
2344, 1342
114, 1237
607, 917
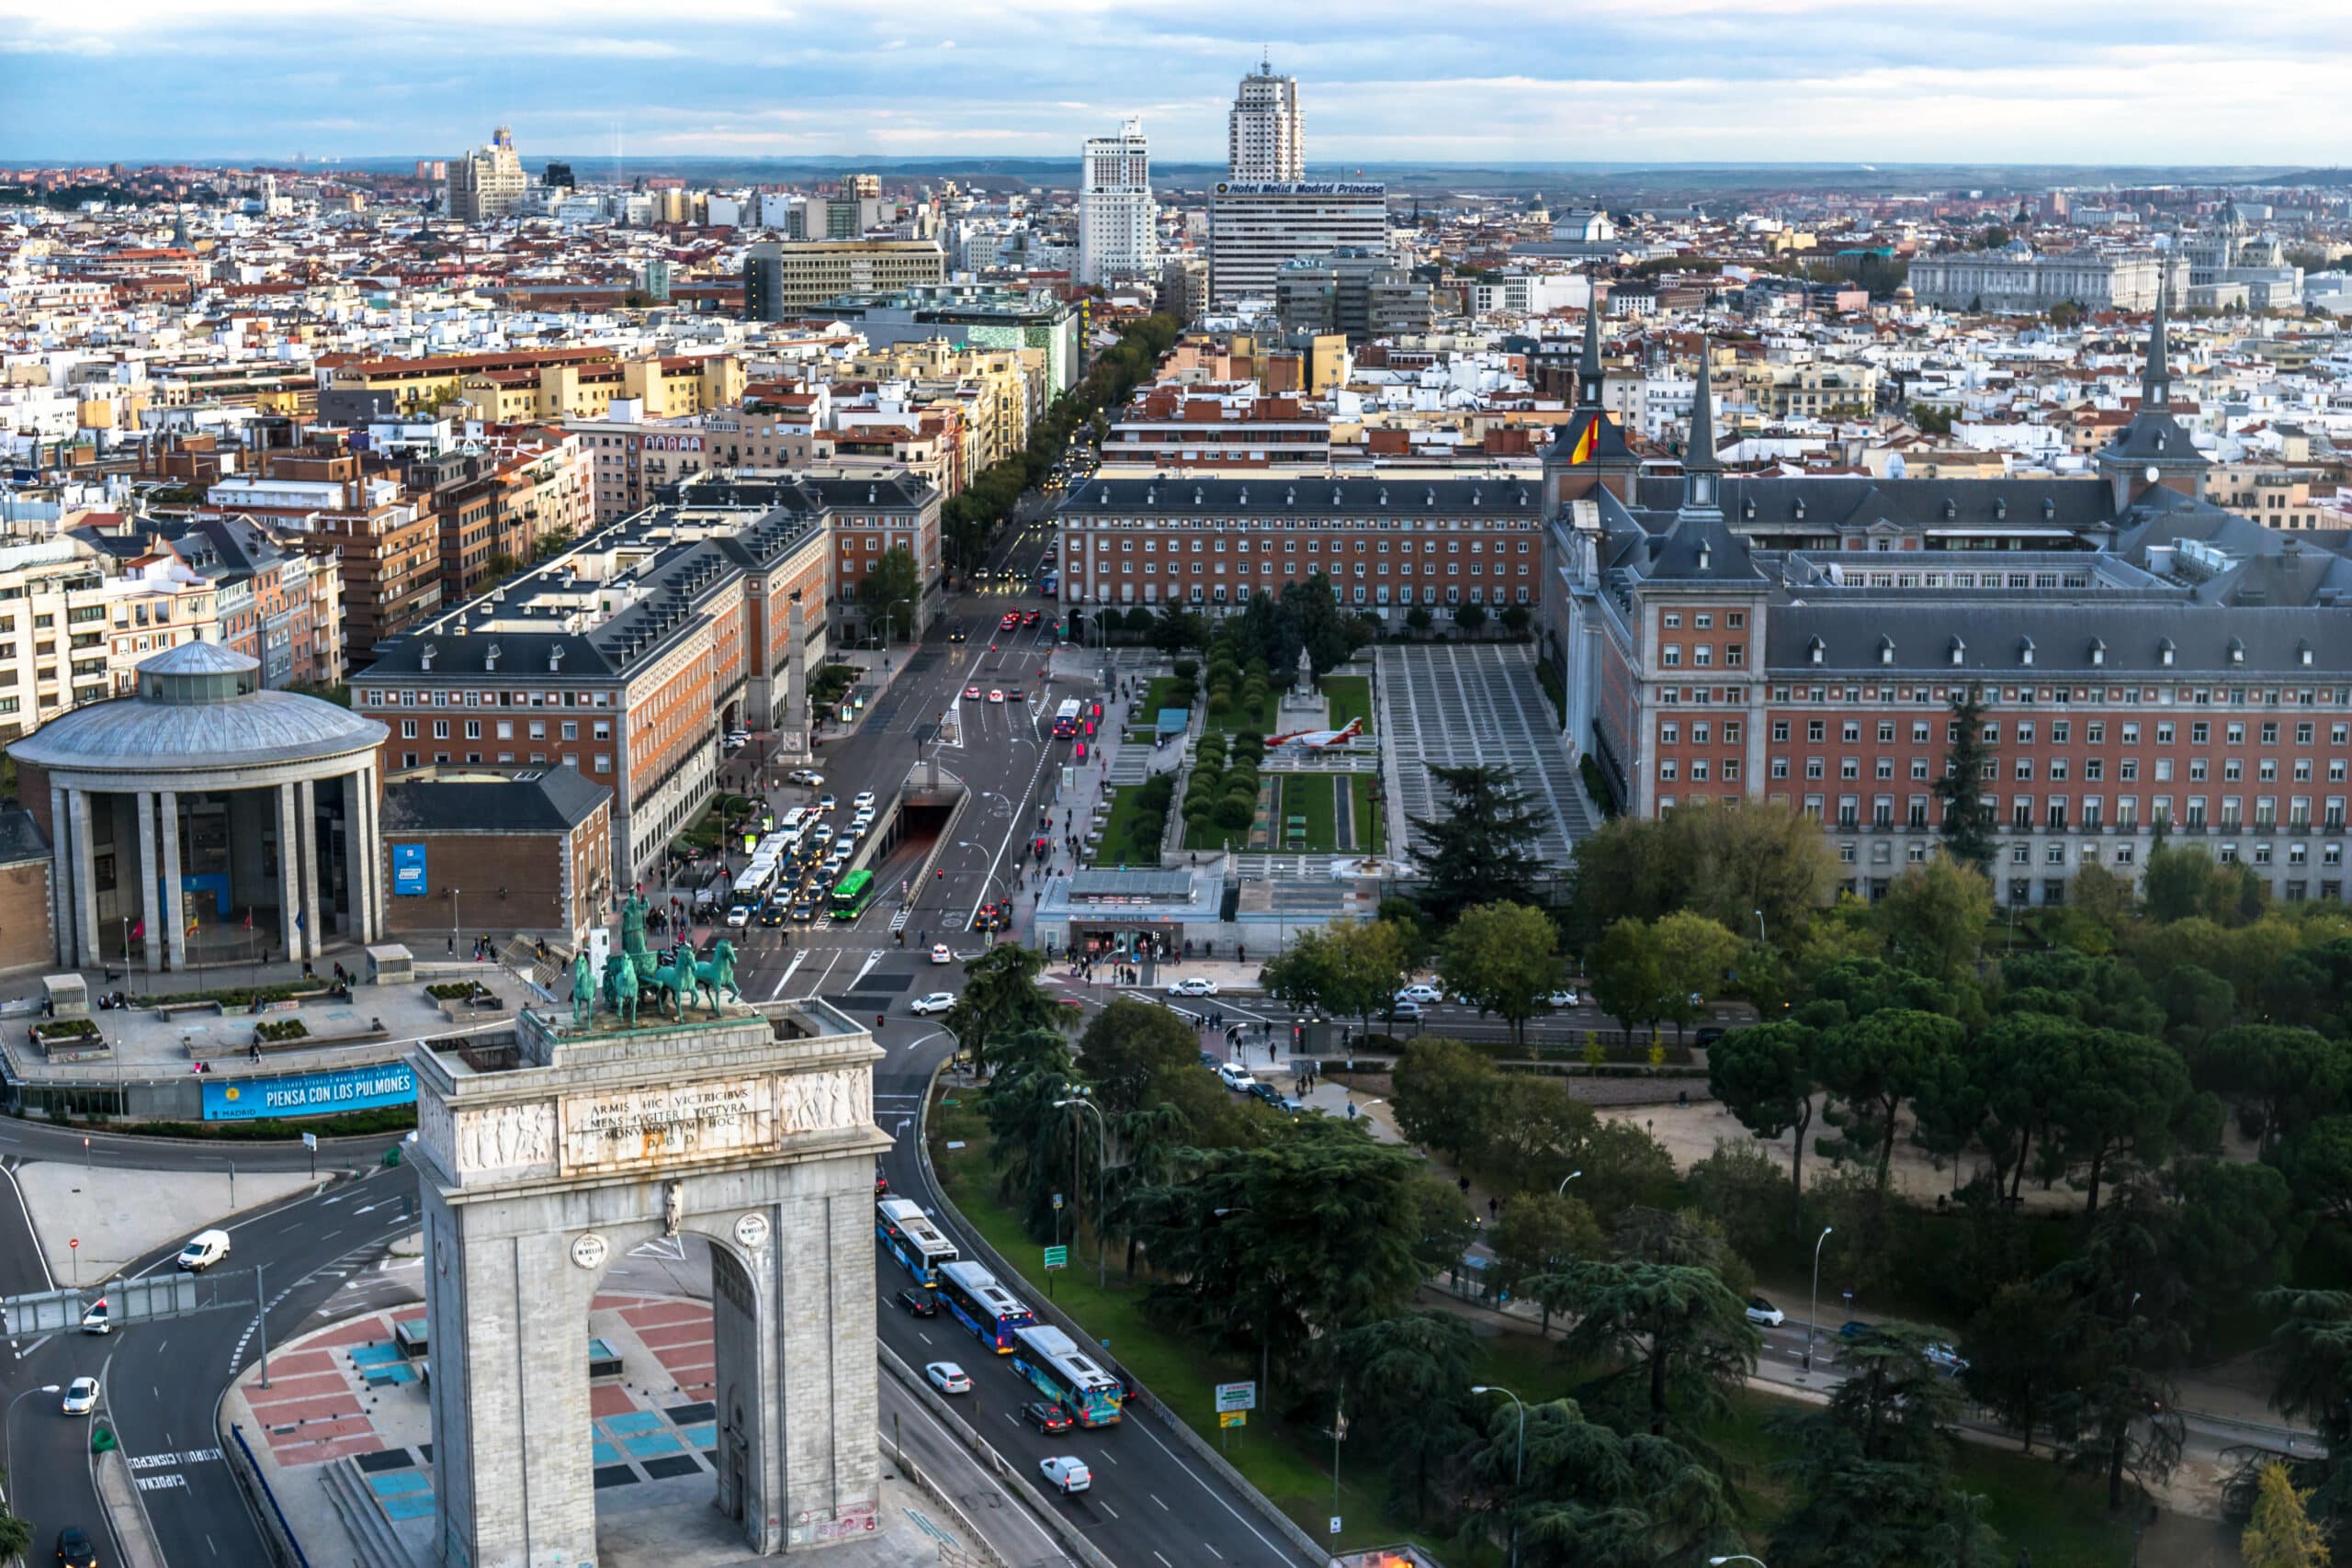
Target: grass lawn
1155, 697
1233, 719
1308, 795
1119, 845
1292, 1466
1348, 697
1372, 824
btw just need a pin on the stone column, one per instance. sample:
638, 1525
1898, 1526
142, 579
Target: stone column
150, 868
358, 875
306, 818
60, 876
85, 883
174, 896
290, 859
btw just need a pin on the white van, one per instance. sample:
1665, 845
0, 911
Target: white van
203, 1250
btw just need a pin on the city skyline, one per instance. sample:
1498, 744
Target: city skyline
1676, 81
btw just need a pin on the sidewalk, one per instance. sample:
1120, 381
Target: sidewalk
116, 1215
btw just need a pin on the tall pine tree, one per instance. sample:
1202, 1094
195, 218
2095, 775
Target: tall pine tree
1481, 848
1967, 825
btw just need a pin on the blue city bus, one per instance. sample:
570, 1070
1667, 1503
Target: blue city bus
982, 1306
1061, 1371
919, 1244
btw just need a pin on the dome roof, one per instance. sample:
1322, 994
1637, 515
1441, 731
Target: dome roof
172, 731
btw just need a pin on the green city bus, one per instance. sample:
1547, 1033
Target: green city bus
852, 895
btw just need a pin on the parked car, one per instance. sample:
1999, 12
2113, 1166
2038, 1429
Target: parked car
1265, 1091
1761, 1311
937, 1001
81, 1396
939, 953
918, 1301
1194, 986
947, 1378
1065, 1474
1046, 1416
1855, 1328
1212, 1061
1420, 991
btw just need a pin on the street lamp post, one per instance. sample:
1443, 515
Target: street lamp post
1743, 1557
1812, 1313
1760, 929
1562, 1190
1102, 1167
8, 1437
1518, 1464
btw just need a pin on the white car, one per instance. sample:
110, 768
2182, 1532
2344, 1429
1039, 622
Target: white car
826, 802
996, 694
1195, 987
1945, 1360
1410, 1012
938, 1001
1422, 992
947, 1378
809, 776
1761, 1311
738, 738
862, 821
939, 953
739, 916
81, 1396
822, 833
862, 801
1065, 1474
1566, 996
1235, 1076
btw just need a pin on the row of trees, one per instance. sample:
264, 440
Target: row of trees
1272, 629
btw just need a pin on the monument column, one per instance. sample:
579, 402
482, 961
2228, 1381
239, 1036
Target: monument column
149, 868
175, 899
306, 818
60, 876
85, 883
289, 855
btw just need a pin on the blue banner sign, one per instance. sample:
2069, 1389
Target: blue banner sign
311, 1094
408, 871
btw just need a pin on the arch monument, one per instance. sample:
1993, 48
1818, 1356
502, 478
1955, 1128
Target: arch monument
752, 1127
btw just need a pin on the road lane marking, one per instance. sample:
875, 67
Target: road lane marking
1163, 1508
1106, 1508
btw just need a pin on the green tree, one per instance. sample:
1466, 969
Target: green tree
2309, 1358
1682, 1339
1695, 955
2124, 1328
1312, 1233
1444, 1095
2285, 1078
1481, 848
1501, 957
1537, 1234
1967, 826
1764, 1077
1403, 1382
1471, 619
1933, 917
15, 1535
1592, 1496
1349, 969
1873, 1065
1743, 864
1032, 1143
2317, 1161
2238, 1232
1001, 998
2015, 1363
2282, 1534
1627, 979
889, 590
1131, 1049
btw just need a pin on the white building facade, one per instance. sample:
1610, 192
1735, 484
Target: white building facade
1265, 134
1256, 226
1117, 236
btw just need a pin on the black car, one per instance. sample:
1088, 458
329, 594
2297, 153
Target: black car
1046, 1416
1211, 1060
918, 1301
75, 1551
771, 913
1265, 1091
955, 631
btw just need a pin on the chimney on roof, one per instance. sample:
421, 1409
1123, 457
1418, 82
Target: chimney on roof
555, 659
425, 657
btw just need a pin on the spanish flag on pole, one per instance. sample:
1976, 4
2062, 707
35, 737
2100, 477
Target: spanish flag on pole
1582, 451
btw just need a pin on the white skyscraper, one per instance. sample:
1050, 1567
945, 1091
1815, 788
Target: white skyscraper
1116, 237
1265, 134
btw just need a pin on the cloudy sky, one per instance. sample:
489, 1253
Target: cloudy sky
2075, 81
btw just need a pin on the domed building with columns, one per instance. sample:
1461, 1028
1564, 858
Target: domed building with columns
204, 819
